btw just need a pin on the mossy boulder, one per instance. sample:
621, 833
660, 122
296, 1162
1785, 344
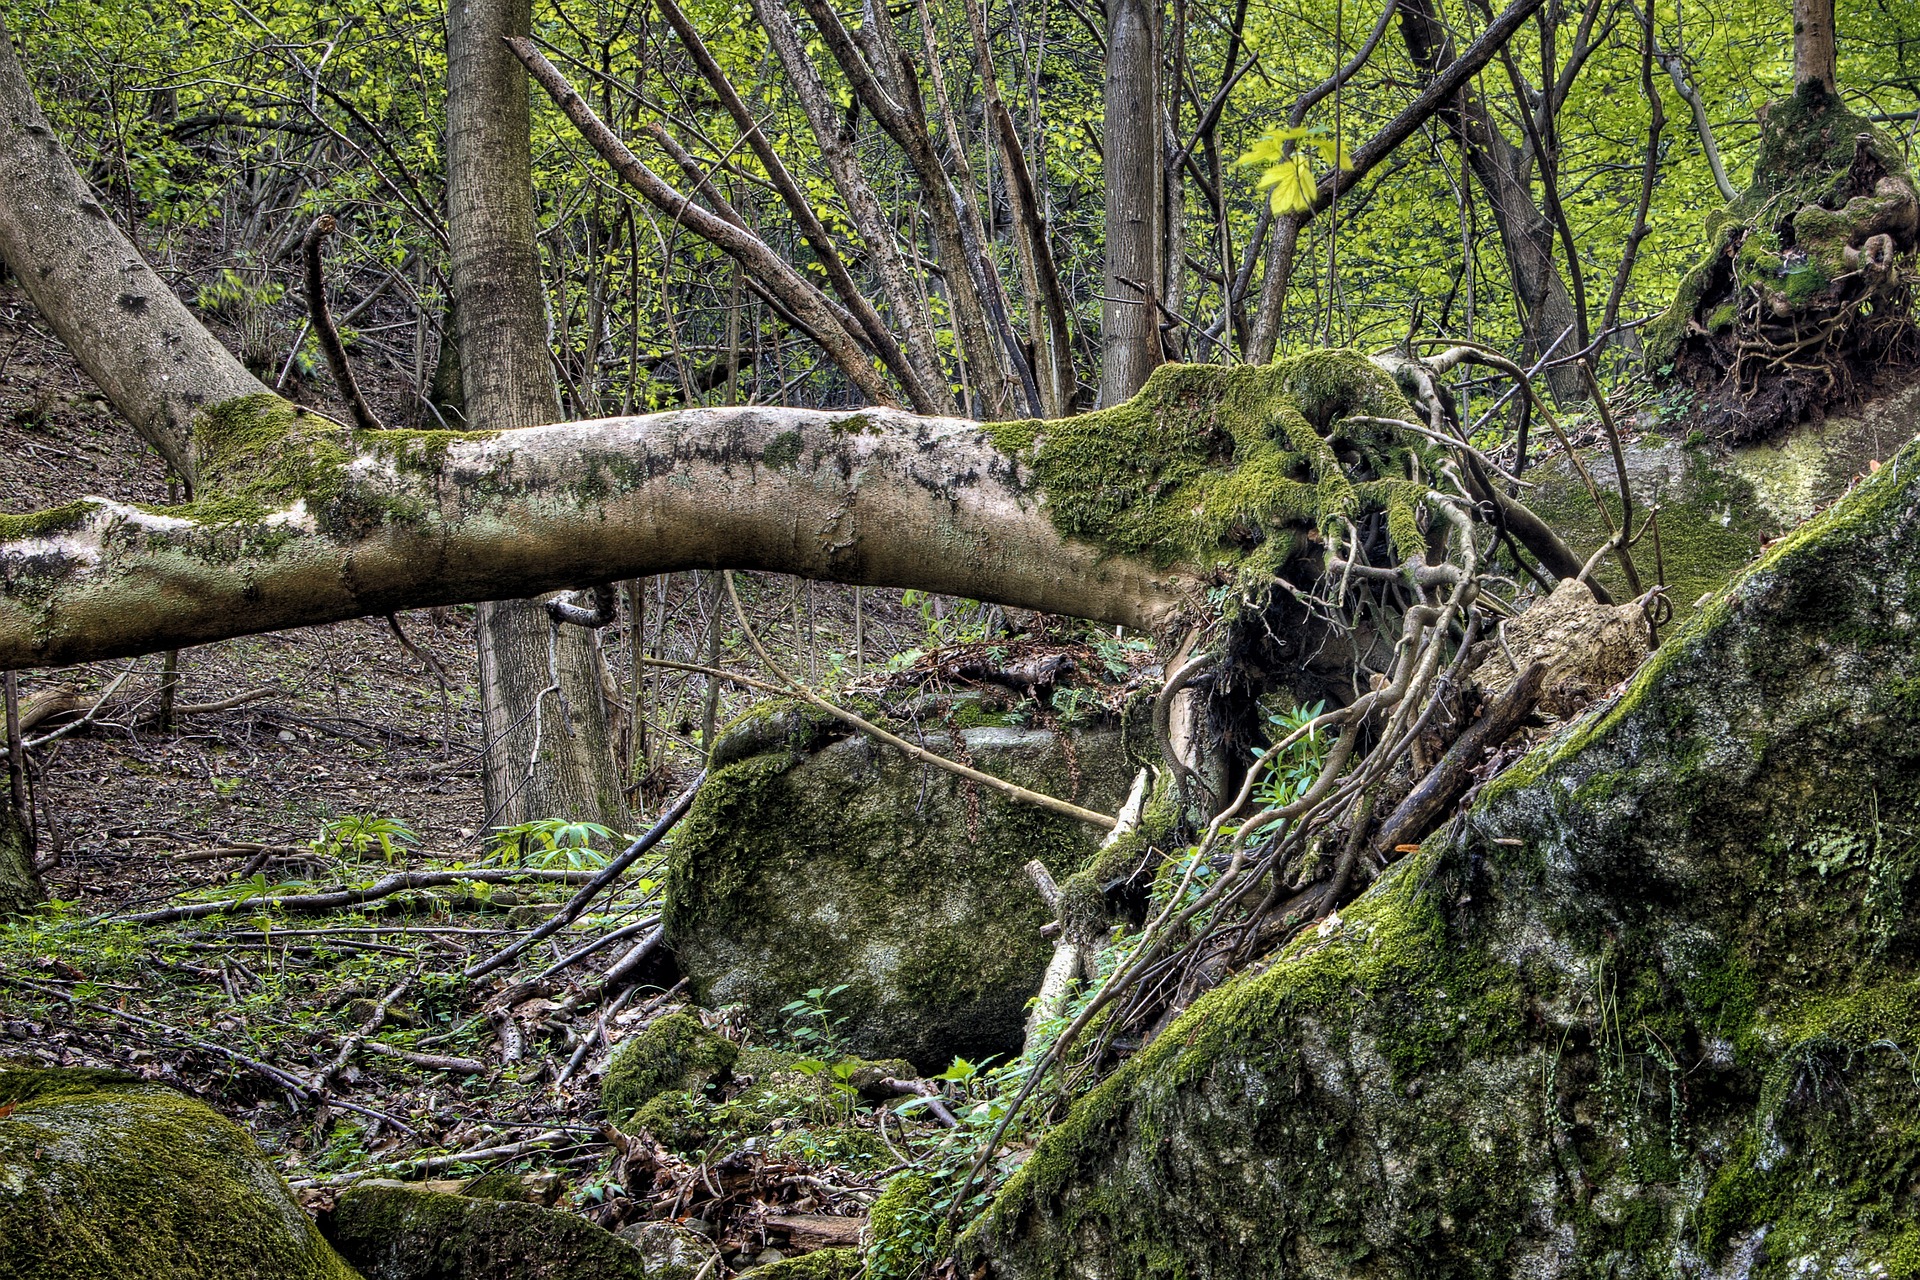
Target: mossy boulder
1711, 523
674, 1053
780, 1108
1719, 505
103, 1175
400, 1233
826, 860
822, 1264
1653, 1012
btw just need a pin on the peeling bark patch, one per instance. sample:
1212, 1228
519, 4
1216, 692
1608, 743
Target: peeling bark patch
133, 304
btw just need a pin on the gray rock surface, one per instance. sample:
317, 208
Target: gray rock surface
1654, 1013
807, 866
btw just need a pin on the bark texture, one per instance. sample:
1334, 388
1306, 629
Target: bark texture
1136, 205
550, 753
141, 345
20, 886
408, 519
1815, 55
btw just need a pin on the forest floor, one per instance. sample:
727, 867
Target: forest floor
336, 735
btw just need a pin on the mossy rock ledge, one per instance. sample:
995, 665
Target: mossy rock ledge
823, 860
105, 1176
1655, 1012
403, 1233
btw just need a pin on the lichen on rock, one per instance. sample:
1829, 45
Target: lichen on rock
104, 1175
1651, 1011
1711, 523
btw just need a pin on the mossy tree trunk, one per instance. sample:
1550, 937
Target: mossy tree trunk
20, 886
549, 750
1804, 295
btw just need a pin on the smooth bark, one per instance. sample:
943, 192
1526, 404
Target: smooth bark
1815, 56
147, 352
873, 497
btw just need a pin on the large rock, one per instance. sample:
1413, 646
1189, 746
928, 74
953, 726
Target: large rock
1718, 506
102, 1175
1657, 1014
1711, 522
404, 1233
814, 860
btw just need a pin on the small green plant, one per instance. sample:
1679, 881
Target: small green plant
838, 1076
957, 622
550, 842
255, 886
811, 1023
356, 834
1289, 774
232, 296
1118, 655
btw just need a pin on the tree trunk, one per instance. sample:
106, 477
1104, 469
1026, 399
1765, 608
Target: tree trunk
148, 353
1504, 172
1135, 209
873, 497
20, 887
549, 754
1814, 54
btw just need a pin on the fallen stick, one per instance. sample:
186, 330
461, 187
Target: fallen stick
1418, 814
386, 887
285, 1079
607, 875
372, 1024
629, 964
605, 939
434, 1061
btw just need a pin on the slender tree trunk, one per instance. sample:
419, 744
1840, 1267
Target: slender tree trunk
549, 754
147, 352
1136, 205
1504, 173
1814, 54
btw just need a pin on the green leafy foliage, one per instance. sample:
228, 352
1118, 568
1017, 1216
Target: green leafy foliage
357, 834
549, 842
1285, 173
